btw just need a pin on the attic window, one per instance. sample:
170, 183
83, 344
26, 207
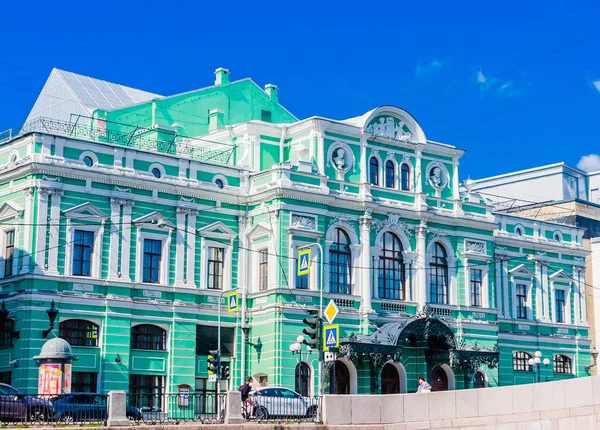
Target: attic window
519, 231
265, 115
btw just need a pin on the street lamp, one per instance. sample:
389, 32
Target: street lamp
296, 347
594, 355
52, 314
536, 362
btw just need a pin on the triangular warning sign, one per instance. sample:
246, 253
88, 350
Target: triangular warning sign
304, 262
331, 338
233, 302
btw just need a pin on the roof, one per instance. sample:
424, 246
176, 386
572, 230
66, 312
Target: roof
67, 93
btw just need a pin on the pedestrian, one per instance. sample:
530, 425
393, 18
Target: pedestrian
424, 386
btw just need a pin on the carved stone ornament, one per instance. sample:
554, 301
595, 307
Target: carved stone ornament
393, 223
437, 175
475, 247
343, 221
390, 127
340, 156
304, 222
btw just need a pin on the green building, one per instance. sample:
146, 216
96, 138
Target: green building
134, 212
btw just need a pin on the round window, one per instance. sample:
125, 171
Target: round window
88, 161
219, 183
156, 172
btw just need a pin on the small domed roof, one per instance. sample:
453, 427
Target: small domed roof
56, 348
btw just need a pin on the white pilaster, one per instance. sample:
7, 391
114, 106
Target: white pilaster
419, 197
27, 231
548, 296
365, 263
364, 178
455, 185
115, 227
539, 293
126, 241
191, 250
180, 234
273, 265
498, 288
504, 263
421, 276
40, 239
54, 232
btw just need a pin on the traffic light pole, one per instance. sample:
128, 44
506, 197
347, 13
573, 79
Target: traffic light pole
218, 387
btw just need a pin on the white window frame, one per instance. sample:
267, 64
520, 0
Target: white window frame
3, 232
227, 255
257, 257
483, 265
410, 181
96, 264
451, 260
355, 249
165, 256
529, 307
315, 268
567, 312
380, 178
395, 165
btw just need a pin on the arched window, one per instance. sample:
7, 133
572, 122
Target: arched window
373, 171
479, 380
339, 382
438, 275
340, 266
405, 177
390, 174
521, 361
148, 336
519, 230
562, 364
303, 379
391, 269
79, 332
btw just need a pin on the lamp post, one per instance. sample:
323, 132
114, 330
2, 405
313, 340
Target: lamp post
536, 361
296, 347
594, 356
52, 314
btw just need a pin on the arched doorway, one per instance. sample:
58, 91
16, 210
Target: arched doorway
341, 383
479, 380
390, 379
303, 379
439, 379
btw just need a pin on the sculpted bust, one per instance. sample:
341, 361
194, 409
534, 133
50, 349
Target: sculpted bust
339, 159
436, 177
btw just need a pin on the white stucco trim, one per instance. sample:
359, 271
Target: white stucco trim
165, 257
96, 263
227, 256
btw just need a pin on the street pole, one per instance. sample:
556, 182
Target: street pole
218, 386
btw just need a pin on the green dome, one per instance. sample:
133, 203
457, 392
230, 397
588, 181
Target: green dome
56, 348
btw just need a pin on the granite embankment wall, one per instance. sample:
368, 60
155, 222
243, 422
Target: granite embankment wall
570, 404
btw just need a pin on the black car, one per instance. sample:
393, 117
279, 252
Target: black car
16, 406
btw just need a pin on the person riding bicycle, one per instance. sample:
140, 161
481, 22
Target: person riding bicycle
245, 390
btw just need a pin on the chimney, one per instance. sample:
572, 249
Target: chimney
221, 76
216, 119
273, 92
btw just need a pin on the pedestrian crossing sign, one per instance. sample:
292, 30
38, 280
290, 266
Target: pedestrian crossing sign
304, 262
331, 336
232, 301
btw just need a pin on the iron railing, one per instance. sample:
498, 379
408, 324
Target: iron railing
102, 131
202, 407
37, 410
281, 409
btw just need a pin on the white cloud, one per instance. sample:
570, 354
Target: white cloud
502, 88
597, 85
434, 66
481, 77
589, 163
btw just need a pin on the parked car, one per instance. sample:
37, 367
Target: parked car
282, 402
82, 407
16, 406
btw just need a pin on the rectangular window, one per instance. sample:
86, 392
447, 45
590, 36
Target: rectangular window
522, 301
475, 276
263, 270
215, 268
265, 115
151, 263
146, 391
9, 251
84, 382
559, 296
83, 245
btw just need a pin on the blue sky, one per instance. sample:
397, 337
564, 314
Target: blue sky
437, 60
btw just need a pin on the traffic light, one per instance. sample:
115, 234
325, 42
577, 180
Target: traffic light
214, 361
313, 329
225, 371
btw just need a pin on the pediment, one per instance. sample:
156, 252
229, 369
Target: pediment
154, 218
217, 229
259, 230
10, 210
560, 276
85, 211
522, 271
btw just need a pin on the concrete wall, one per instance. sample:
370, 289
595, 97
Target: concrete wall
561, 404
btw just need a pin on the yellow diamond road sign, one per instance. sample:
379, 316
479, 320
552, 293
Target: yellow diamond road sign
331, 311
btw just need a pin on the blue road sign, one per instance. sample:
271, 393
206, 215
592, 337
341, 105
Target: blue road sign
331, 336
232, 302
304, 262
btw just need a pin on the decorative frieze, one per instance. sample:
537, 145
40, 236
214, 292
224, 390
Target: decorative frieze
304, 222
474, 247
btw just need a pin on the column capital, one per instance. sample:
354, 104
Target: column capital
118, 201
422, 228
182, 210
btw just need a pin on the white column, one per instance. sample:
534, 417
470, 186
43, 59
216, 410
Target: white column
273, 265
364, 164
27, 231
455, 184
180, 247
365, 263
191, 250
40, 240
421, 275
126, 241
320, 151
498, 288
507, 310
115, 227
54, 232
539, 293
548, 296
582, 295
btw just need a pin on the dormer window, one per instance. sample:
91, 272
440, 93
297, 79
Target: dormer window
519, 231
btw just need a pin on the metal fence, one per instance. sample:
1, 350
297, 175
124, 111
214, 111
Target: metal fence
176, 408
281, 409
127, 135
36, 410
